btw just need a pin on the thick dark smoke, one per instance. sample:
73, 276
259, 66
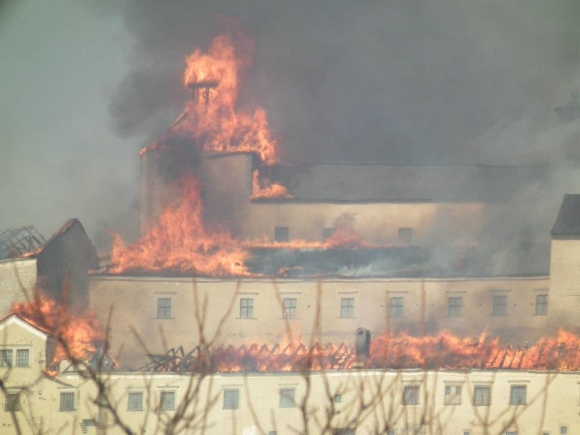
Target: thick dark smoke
393, 81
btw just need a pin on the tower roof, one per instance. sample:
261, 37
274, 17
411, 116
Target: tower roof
567, 224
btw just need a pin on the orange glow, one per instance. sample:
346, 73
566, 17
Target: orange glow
211, 117
397, 351
77, 336
262, 188
181, 242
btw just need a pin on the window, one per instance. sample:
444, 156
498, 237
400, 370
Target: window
231, 398
246, 308
167, 401
499, 305
22, 358
281, 234
511, 432
135, 401
289, 311
164, 308
67, 402
411, 395
541, 305
455, 306
453, 395
344, 431
347, 307
563, 430
397, 307
5, 358
481, 396
405, 235
337, 398
518, 395
12, 403
287, 397
272, 432
328, 232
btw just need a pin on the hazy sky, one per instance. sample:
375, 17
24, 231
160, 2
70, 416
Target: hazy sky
84, 85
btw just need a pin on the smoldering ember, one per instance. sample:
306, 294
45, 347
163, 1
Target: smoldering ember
267, 297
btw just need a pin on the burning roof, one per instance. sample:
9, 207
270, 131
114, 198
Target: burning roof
445, 351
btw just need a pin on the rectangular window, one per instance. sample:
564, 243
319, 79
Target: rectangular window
281, 234
6, 358
287, 397
246, 308
67, 402
518, 395
499, 305
481, 396
563, 430
511, 432
167, 402
135, 401
337, 398
12, 403
455, 306
289, 311
22, 358
411, 395
328, 232
541, 305
345, 431
231, 398
397, 307
347, 308
453, 395
164, 308
405, 235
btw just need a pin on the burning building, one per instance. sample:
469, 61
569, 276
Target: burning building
253, 248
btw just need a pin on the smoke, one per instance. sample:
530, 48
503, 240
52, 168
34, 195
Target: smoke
394, 81
363, 81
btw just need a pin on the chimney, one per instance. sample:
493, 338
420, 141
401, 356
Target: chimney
362, 347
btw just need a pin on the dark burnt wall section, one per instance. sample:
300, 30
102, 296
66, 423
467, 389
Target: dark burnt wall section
63, 264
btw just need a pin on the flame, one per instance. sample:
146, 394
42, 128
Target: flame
388, 351
181, 242
77, 336
263, 188
211, 117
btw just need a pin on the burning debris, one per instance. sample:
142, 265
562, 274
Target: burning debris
76, 336
401, 351
256, 358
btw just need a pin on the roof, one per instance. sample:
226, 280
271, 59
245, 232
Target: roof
16, 243
568, 222
30, 326
414, 183
399, 351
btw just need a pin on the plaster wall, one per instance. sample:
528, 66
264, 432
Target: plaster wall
134, 302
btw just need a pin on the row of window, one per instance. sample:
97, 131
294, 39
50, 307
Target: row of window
481, 395
22, 358
282, 234
396, 307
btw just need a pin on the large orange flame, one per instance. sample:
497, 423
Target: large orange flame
77, 336
181, 242
211, 117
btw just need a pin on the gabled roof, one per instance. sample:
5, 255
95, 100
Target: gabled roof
14, 318
568, 222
